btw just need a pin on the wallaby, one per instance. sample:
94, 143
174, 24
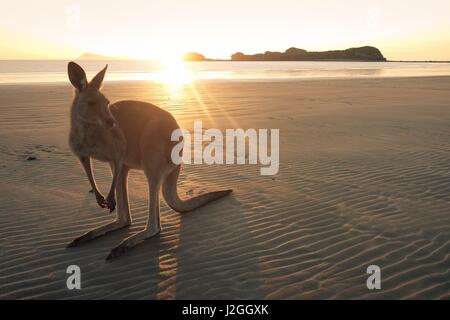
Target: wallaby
93, 130
128, 135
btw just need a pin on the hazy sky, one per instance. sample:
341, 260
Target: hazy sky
153, 29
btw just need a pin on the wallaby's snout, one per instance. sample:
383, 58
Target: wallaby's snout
106, 117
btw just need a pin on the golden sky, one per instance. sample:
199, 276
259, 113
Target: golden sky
148, 29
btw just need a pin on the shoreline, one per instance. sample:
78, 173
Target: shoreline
267, 80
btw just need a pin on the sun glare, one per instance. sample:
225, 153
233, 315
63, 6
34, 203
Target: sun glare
175, 74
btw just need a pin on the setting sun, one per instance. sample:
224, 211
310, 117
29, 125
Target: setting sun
174, 74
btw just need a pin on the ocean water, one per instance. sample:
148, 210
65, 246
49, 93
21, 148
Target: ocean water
34, 71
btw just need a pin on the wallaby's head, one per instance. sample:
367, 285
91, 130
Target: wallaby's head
90, 104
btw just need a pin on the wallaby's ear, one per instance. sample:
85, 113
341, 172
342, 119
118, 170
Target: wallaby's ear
97, 81
77, 76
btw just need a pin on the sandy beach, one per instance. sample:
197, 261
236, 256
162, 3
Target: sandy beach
364, 179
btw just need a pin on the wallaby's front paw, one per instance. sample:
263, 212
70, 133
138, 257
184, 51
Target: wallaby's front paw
100, 200
111, 203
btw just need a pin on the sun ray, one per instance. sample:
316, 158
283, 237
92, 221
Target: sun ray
200, 100
224, 111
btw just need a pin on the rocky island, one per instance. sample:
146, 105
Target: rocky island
295, 54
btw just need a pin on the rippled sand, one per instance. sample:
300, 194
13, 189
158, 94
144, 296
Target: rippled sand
364, 179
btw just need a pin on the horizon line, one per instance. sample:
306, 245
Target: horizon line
112, 59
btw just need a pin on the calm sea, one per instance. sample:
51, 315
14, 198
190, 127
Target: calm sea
26, 71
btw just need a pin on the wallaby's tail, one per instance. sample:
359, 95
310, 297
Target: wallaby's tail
170, 194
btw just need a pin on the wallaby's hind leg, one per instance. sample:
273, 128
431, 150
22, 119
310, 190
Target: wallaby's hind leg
123, 218
153, 226
116, 167
123, 207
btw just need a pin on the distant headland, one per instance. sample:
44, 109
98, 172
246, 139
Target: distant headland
292, 54
295, 54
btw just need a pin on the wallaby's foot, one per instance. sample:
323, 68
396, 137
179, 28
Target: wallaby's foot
131, 242
111, 202
97, 232
100, 199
